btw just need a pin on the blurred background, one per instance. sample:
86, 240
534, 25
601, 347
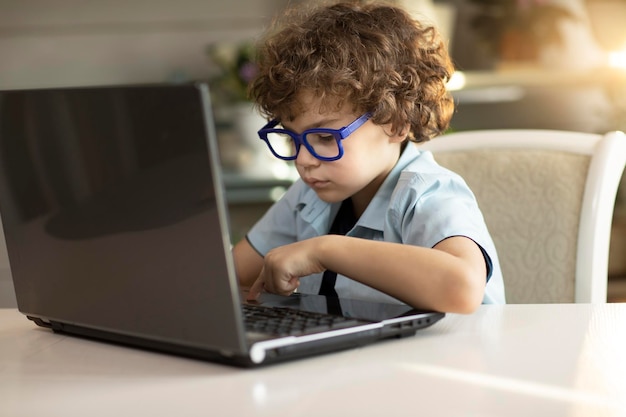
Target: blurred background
553, 64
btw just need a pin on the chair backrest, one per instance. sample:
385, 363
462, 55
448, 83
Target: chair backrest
548, 198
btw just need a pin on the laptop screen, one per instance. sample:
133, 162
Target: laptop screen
110, 211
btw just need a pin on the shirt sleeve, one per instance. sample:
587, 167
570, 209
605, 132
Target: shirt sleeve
429, 208
277, 226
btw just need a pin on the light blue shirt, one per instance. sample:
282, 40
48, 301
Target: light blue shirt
419, 203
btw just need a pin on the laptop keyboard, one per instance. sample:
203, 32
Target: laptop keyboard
282, 321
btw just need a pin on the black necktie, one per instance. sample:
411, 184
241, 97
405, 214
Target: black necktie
344, 221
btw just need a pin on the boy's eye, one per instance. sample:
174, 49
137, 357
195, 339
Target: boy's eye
321, 137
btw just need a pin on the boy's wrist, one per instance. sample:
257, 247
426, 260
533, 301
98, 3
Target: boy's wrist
326, 250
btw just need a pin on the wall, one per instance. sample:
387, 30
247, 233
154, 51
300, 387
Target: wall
75, 42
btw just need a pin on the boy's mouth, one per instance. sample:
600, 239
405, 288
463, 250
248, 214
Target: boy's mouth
316, 183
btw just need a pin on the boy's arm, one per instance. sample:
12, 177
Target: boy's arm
248, 263
450, 277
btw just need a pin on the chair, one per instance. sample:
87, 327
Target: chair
548, 198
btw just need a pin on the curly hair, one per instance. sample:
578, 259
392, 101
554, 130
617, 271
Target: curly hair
375, 56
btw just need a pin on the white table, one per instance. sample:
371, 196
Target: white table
515, 360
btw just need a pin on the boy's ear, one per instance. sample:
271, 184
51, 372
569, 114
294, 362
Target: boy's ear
401, 136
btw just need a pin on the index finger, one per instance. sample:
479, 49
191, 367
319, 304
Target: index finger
255, 289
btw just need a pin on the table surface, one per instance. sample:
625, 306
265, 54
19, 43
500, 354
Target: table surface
513, 360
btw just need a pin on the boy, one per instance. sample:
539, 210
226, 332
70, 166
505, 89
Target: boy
346, 87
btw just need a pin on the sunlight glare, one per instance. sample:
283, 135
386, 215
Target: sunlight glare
457, 81
617, 59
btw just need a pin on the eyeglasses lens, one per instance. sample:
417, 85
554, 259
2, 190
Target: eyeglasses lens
323, 144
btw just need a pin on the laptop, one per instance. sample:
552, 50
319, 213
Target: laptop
116, 224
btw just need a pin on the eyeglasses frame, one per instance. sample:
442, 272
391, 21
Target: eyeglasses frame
300, 139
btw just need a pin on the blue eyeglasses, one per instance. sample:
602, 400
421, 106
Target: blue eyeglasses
324, 144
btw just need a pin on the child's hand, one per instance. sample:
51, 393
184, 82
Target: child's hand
283, 267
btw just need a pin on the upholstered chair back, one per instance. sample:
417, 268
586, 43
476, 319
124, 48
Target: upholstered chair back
547, 198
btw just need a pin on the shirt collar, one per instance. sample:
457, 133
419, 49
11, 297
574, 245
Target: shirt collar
374, 215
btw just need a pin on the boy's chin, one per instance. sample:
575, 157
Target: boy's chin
330, 197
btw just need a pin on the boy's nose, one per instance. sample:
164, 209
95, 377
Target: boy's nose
305, 158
